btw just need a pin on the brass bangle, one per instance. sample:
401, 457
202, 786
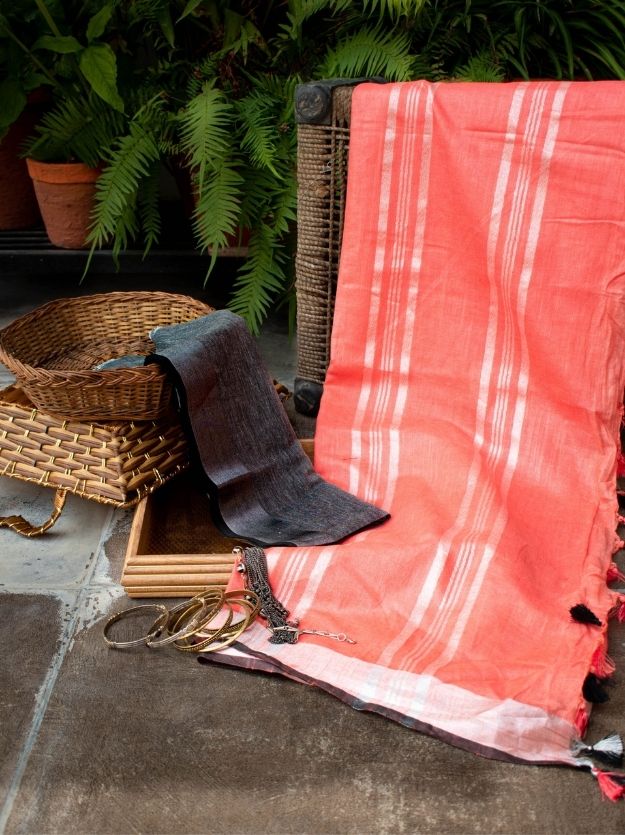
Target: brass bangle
211, 635
192, 618
250, 601
201, 603
156, 628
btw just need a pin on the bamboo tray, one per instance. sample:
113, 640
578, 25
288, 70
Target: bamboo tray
174, 549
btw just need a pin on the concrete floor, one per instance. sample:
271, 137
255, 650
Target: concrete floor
99, 741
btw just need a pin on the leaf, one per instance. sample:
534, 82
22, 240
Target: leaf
218, 208
190, 8
97, 24
370, 52
147, 204
99, 66
205, 130
130, 162
78, 129
260, 130
260, 279
13, 101
165, 22
62, 44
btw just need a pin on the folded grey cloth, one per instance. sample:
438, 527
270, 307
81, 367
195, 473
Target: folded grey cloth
127, 361
262, 484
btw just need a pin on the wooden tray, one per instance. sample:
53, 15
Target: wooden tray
174, 549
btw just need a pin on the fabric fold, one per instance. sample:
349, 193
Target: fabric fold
262, 484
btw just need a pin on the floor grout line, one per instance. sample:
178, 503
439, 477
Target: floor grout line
42, 700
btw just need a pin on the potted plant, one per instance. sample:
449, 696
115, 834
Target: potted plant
85, 116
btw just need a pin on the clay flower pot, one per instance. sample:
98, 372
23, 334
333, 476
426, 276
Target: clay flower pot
65, 193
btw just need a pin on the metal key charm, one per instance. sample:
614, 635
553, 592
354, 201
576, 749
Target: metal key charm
296, 632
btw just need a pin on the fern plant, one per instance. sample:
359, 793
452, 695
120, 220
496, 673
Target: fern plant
209, 85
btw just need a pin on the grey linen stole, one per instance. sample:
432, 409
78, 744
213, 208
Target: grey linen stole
261, 482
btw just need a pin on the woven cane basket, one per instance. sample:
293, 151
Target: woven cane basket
53, 350
111, 463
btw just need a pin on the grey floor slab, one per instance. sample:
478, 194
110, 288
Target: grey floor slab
30, 627
61, 557
151, 741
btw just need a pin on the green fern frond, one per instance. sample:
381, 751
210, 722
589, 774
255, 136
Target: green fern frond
147, 202
256, 196
129, 163
126, 226
260, 129
370, 52
218, 207
394, 8
205, 131
285, 207
77, 129
303, 10
261, 278
480, 68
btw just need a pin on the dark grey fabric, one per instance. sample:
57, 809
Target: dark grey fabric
262, 482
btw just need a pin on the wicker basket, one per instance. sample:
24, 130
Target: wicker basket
111, 463
53, 349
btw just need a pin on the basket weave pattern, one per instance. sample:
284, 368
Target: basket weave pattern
322, 176
111, 463
53, 349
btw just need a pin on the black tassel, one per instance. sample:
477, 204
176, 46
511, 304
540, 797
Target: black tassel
593, 691
582, 614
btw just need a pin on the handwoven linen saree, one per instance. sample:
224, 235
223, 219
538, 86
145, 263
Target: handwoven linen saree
474, 391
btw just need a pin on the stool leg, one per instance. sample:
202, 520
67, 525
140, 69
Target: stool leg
24, 528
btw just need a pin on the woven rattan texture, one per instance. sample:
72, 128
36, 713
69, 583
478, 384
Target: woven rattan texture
52, 351
112, 463
174, 549
322, 180
181, 523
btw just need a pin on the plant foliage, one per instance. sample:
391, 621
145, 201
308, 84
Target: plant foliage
208, 86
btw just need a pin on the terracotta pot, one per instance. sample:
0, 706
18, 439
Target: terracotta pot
18, 204
65, 193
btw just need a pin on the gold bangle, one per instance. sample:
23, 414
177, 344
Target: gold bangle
201, 603
229, 632
210, 635
156, 628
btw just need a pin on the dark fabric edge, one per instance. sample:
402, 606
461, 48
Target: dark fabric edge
209, 486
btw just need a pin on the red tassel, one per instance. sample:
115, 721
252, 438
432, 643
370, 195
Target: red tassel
620, 612
581, 721
620, 465
601, 664
614, 574
611, 783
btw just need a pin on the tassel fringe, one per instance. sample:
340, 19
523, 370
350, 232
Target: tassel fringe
582, 614
602, 665
593, 691
611, 783
608, 750
614, 573
581, 720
